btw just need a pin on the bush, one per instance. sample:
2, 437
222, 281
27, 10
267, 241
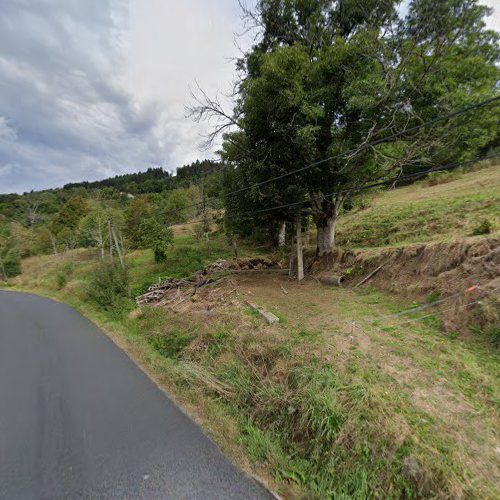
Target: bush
172, 343
484, 228
109, 285
198, 232
157, 236
11, 263
440, 177
493, 333
63, 274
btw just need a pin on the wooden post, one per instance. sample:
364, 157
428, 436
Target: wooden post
300, 259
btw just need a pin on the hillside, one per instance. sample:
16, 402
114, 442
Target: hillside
353, 390
447, 207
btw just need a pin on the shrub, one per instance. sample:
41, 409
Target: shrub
485, 227
63, 274
198, 231
109, 285
171, 344
157, 236
435, 178
493, 333
11, 263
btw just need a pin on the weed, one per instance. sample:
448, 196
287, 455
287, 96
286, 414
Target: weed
109, 286
433, 297
485, 227
217, 341
171, 344
256, 441
305, 335
493, 333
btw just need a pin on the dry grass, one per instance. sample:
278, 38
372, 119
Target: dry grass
422, 213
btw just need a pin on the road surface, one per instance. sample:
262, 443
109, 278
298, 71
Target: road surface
79, 420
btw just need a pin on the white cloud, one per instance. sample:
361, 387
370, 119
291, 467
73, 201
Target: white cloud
94, 88
97, 88
7, 133
493, 21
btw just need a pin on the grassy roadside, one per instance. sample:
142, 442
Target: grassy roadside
316, 407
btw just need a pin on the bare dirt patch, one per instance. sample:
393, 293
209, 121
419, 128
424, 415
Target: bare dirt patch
439, 269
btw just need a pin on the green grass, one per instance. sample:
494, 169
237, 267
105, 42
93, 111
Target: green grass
186, 257
316, 412
464, 206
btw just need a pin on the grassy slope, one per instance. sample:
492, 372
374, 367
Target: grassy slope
313, 404
422, 213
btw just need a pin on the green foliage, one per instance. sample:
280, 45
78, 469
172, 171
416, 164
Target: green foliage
314, 87
485, 227
493, 333
150, 181
138, 211
109, 285
198, 231
10, 260
177, 208
70, 214
172, 343
157, 236
63, 274
433, 297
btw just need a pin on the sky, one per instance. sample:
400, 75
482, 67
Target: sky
95, 88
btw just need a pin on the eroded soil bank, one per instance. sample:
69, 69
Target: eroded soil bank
431, 272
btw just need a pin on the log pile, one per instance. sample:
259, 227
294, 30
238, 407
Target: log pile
172, 292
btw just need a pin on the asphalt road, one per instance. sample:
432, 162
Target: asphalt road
78, 419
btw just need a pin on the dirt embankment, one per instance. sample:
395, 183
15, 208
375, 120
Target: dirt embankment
430, 272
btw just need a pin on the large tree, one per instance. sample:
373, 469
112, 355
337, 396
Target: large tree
326, 79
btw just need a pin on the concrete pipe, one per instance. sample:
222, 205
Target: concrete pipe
332, 280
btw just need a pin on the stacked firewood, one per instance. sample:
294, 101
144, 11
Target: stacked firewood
172, 292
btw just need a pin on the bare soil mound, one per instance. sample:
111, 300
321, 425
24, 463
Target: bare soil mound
434, 270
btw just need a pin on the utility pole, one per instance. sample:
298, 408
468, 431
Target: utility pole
300, 259
206, 227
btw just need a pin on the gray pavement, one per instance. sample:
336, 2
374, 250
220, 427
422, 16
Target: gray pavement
78, 419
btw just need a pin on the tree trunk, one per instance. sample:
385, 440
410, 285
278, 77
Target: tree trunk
325, 217
300, 257
326, 236
282, 235
54, 244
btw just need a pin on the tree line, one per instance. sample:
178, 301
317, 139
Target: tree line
53, 221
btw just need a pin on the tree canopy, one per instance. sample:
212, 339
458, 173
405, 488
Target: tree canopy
325, 79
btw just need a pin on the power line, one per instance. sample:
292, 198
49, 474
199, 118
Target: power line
370, 144
447, 116
394, 180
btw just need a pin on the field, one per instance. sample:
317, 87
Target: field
340, 398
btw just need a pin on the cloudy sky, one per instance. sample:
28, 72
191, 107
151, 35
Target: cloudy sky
95, 88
